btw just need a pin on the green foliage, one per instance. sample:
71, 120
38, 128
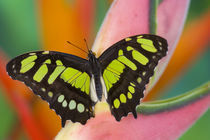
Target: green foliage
200, 130
18, 26
7, 117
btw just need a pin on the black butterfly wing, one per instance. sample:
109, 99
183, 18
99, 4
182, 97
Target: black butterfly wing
63, 80
126, 69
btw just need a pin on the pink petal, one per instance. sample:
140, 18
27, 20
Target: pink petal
126, 18
171, 15
167, 124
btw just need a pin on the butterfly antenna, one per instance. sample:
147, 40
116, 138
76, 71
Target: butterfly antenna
86, 44
76, 46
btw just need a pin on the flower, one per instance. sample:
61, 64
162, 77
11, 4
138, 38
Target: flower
67, 21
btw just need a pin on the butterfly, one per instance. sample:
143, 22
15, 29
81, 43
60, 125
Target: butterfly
73, 85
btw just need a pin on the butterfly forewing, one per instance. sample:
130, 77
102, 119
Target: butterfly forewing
126, 69
63, 80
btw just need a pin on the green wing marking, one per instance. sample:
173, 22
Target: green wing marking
112, 73
126, 69
62, 80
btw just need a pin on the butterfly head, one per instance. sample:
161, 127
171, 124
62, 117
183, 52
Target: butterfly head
91, 55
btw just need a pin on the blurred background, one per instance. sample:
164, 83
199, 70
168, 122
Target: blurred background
28, 25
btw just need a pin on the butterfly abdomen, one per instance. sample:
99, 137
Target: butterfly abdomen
96, 71
98, 85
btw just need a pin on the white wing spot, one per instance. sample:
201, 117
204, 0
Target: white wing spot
139, 36
64, 104
43, 89
50, 94
160, 43
26, 77
139, 80
45, 52
80, 107
33, 84
60, 98
32, 53
72, 105
13, 66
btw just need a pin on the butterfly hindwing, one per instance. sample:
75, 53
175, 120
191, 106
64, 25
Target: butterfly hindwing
63, 80
126, 69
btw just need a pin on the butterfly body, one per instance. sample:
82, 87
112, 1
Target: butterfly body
73, 85
95, 67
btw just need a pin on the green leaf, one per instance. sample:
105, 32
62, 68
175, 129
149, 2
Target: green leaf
153, 16
176, 102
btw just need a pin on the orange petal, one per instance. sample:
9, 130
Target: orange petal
49, 122
86, 10
60, 21
192, 43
